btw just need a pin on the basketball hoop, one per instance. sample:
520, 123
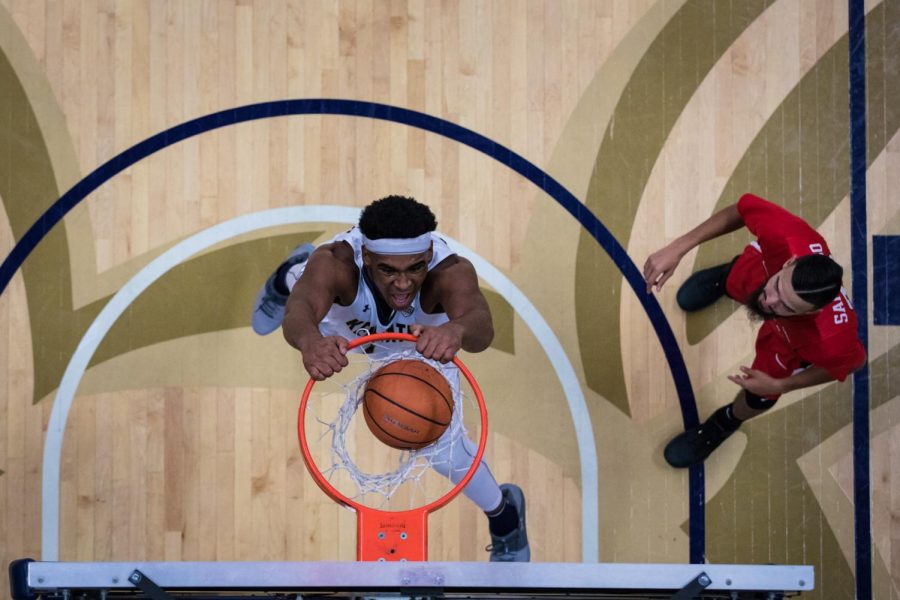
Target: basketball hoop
383, 535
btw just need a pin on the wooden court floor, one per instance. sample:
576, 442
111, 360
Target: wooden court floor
180, 443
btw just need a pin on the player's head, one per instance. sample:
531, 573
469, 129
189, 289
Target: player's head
802, 286
396, 217
397, 247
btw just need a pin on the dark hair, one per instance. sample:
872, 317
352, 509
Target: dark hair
817, 279
396, 217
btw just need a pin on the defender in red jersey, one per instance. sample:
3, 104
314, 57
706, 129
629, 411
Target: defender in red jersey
787, 279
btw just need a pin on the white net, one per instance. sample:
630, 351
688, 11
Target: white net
365, 470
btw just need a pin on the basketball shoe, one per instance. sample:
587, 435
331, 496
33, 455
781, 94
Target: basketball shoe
696, 444
703, 288
512, 547
268, 308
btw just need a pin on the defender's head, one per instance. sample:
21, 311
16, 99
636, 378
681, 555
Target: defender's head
802, 286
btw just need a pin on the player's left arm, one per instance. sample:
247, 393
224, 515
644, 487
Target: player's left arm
762, 384
454, 285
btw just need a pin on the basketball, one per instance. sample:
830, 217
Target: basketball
407, 404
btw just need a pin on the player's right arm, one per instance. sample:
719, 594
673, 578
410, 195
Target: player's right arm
328, 278
661, 264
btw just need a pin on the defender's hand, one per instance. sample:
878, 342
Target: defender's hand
438, 343
660, 266
757, 382
325, 356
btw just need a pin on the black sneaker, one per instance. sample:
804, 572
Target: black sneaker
512, 547
703, 288
695, 445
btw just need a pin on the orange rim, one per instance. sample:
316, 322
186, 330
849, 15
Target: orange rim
341, 498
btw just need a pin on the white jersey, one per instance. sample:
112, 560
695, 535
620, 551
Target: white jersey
360, 317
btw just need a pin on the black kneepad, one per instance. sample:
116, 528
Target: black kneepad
758, 402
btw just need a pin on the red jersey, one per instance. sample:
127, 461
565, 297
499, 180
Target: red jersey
827, 338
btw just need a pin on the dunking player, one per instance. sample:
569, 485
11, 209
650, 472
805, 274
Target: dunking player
787, 279
393, 273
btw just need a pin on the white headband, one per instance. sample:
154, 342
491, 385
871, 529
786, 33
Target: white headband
399, 246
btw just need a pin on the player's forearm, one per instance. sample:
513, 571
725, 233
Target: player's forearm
477, 330
725, 221
300, 337
806, 378
300, 326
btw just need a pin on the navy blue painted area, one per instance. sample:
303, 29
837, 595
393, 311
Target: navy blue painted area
886, 279
428, 123
859, 259
696, 503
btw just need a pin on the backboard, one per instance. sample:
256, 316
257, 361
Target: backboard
298, 580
